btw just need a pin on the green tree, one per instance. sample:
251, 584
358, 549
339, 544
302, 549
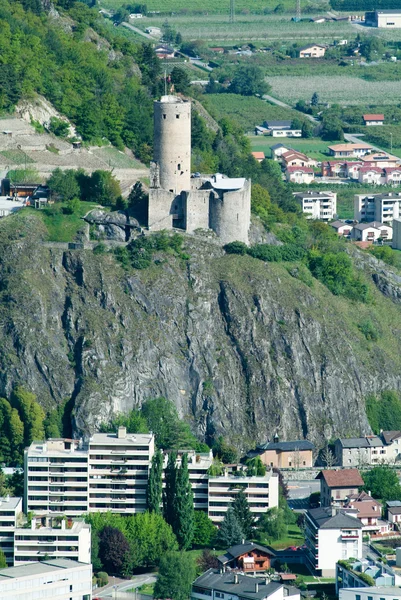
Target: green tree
63, 185
170, 477
113, 550
204, 530
138, 203
3, 562
230, 532
249, 80
384, 412
95, 547
180, 79
155, 486
243, 513
226, 453
162, 418
255, 467
176, 573
103, 188
183, 525
307, 129
315, 99
32, 414
383, 483
59, 127
272, 524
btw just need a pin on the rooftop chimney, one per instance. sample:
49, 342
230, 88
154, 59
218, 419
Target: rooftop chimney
256, 588
122, 432
235, 577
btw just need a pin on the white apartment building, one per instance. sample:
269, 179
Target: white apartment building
331, 535
65, 539
198, 467
261, 492
317, 205
48, 580
382, 208
370, 593
10, 515
107, 472
119, 471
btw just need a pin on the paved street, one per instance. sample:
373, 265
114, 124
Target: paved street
112, 590
299, 492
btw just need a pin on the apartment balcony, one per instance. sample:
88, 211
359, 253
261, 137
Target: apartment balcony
349, 536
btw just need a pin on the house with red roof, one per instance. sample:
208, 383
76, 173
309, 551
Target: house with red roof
300, 174
373, 119
337, 485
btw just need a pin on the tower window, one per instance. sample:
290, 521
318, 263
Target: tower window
164, 116
179, 166
177, 116
237, 217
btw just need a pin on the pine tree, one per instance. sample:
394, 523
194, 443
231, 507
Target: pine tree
230, 532
155, 486
169, 491
183, 526
243, 513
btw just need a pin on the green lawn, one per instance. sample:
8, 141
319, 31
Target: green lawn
314, 147
60, 227
294, 537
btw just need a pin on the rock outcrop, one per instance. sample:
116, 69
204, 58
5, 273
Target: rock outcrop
115, 225
242, 347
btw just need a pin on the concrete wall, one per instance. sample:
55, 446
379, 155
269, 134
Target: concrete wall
172, 143
230, 214
161, 209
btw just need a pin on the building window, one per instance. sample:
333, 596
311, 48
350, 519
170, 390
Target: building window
164, 116
357, 597
179, 166
177, 116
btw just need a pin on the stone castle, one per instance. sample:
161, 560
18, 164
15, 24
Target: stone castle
177, 200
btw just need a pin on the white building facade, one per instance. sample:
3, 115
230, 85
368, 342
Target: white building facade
370, 593
317, 205
377, 207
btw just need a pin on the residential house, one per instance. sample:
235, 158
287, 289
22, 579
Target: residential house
293, 158
164, 51
351, 574
370, 593
230, 585
300, 174
365, 232
393, 510
330, 536
285, 455
352, 169
380, 159
382, 208
331, 168
281, 129
373, 119
61, 578
392, 175
342, 229
312, 51
278, 150
259, 130
277, 125
261, 493
347, 150
357, 452
368, 511
259, 156
317, 205
337, 485
248, 557
370, 175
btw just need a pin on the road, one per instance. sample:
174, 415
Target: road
139, 31
284, 105
299, 492
136, 582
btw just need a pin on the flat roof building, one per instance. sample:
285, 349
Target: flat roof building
317, 205
61, 579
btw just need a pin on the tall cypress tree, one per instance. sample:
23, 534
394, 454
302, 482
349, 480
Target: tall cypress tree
155, 486
170, 477
183, 526
243, 513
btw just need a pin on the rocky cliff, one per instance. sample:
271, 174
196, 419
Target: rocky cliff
241, 346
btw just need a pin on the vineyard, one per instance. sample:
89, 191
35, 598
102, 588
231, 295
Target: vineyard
341, 90
208, 6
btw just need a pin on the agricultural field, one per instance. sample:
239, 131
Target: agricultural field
387, 137
209, 6
249, 27
340, 90
115, 158
314, 147
247, 111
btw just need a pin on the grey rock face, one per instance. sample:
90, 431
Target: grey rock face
114, 225
239, 345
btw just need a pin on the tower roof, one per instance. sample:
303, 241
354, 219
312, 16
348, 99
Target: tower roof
170, 99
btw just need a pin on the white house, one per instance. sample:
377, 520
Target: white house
278, 150
312, 51
373, 119
317, 205
61, 579
229, 585
346, 150
331, 535
370, 593
342, 228
300, 174
365, 232
370, 175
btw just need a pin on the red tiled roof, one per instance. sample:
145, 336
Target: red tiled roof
373, 117
342, 478
369, 169
258, 155
294, 153
303, 169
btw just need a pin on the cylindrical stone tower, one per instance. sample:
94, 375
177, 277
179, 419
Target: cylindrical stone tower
172, 143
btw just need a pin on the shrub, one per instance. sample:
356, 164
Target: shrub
369, 330
302, 273
236, 248
102, 579
266, 252
99, 249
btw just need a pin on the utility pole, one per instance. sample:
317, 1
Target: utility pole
232, 11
